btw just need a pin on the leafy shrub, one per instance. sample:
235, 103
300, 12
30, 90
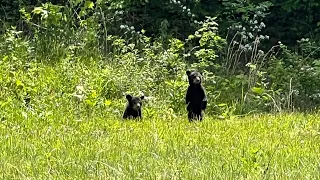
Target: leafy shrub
296, 75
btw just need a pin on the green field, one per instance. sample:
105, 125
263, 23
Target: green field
255, 147
72, 128
67, 66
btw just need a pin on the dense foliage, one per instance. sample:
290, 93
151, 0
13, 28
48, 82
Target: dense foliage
257, 56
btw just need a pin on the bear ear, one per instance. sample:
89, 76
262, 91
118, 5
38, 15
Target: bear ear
142, 97
188, 72
129, 97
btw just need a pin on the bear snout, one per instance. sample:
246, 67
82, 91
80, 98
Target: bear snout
136, 106
196, 80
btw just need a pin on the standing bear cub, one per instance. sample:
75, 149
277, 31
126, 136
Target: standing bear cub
133, 108
196, 97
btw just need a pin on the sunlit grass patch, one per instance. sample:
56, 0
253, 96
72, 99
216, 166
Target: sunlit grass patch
270, 146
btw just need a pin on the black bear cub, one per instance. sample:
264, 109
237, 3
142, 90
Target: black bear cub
196, 97
133, 109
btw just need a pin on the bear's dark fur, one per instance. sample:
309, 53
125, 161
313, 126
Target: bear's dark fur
196, 97
133, 109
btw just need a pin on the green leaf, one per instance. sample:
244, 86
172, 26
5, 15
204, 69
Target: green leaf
89, 4
37, 10
316, 63
265, 97
107, 102
190, 37
91, 103
19, 83
3, 104
94, 94
5, 58
257, 90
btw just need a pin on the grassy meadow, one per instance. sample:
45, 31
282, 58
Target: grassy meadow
63, 83
63, 121
279, 146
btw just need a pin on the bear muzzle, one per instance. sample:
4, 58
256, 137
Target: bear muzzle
196, 80
136, 106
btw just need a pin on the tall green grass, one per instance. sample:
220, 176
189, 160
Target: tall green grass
255, 147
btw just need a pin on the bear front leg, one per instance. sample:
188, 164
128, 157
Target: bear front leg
189, 93
204, 99
204, 105
139, 114
125, 114
190, 116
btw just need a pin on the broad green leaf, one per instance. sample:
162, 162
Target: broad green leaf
257, 90
191, 37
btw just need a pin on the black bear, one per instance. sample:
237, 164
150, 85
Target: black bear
133, 109
196, 97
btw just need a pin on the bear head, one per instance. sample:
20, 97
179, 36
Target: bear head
194, 77
134, 101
